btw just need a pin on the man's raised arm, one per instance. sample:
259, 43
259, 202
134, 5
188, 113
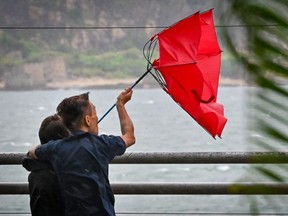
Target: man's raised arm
126, 124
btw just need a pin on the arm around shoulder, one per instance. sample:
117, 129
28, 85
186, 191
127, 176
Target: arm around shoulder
31, 152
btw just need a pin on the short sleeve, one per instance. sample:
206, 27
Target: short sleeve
116, 145
45, 152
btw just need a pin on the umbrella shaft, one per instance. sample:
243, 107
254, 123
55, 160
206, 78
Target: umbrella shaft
137, 81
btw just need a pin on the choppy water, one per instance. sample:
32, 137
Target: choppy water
161, 125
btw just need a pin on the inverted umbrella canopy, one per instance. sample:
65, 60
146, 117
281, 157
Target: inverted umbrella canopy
188, 69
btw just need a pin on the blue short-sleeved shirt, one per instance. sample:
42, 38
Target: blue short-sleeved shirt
81, 163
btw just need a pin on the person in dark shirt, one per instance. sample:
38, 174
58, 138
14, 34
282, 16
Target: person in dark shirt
81, 161
45, 197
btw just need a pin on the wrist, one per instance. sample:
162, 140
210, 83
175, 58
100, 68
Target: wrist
119, 104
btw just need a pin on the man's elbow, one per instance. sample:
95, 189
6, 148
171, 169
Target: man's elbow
133, 140
130, 140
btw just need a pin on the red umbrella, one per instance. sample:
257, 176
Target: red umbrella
188, 68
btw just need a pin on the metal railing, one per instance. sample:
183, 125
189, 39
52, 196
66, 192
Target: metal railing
177, 188
179, 158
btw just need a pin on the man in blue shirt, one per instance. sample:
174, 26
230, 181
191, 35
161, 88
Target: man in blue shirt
81, 161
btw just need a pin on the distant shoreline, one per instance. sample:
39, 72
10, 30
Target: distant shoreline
104, 83
94, 82
116, 83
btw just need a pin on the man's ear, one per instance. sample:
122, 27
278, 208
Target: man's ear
87, 120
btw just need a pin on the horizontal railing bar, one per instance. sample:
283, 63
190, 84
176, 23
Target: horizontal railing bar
172, 213
201, 157
200, 188
175, 188
179, 158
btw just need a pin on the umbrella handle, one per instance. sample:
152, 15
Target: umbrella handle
137, 81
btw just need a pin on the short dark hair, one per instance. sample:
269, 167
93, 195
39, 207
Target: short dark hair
52, 128
73, 109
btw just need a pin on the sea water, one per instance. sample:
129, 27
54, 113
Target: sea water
160, 126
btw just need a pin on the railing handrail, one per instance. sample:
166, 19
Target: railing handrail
174, 188
178, 158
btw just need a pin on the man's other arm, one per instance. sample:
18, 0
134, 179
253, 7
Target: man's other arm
31, 152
